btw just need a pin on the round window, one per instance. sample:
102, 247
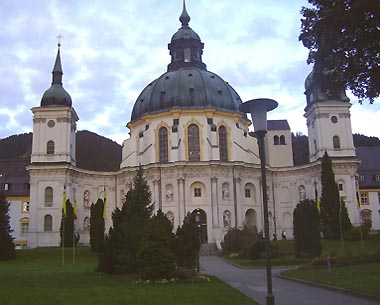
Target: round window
51, 123
334, 119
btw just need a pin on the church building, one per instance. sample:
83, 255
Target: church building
193, 142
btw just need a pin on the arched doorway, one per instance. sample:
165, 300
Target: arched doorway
201, 221
250, 218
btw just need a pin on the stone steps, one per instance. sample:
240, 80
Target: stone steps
209, 249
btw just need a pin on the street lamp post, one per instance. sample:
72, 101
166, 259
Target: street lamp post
258, 109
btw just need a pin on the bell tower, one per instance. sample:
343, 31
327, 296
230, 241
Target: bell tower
54, 123
328, 122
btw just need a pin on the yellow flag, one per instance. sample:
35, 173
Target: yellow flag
64, 203
318, 204
75, 210
105, 205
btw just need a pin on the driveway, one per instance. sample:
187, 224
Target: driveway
252, 282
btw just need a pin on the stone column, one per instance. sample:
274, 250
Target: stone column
214, 202
181, 199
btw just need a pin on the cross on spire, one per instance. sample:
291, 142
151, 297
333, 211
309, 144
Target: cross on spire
59, 37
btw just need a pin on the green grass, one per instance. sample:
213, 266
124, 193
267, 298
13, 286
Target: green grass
329, 248
362, 278
38, 277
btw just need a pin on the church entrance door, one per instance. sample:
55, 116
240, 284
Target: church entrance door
201, 221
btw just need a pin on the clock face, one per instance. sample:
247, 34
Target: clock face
51, 123
334, 119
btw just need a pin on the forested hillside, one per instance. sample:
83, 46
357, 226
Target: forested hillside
94, 152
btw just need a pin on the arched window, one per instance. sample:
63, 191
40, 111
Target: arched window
163, 145
48, 223
193, 143
336, 142
276, 140
24, 226
223, 148
282, 140
50, 148
48, 196
366, 217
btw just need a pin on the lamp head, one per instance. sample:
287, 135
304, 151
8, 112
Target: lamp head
258, 109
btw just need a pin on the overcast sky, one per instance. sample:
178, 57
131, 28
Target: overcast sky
112, 49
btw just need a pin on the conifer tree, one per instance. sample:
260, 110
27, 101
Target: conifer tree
67, 223
7, 248
97, 226
155, 258
345, 220
330, 202
187, 243
306, 229
129, 223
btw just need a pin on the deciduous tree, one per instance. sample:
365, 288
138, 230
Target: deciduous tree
343, 37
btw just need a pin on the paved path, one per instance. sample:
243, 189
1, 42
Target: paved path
252, 282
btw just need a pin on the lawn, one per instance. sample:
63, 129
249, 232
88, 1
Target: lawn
333, 248
362, 278
38, 277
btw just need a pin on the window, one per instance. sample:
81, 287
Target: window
25, 207
163, 145
377, 178
197, 192
276, 140
282, 140
7, 186
193, 143
223, 149
247, 192
340, 186
187, 55
50, 148
361, 178
48, 196
336, 142
48, 223
24, 223
364, 198
334, 119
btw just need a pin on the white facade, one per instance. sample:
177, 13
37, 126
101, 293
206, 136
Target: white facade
197, 157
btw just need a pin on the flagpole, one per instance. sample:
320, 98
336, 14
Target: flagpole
74, 234
63, 224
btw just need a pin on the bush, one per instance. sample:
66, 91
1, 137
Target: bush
183, 273
257, 249
233, 240
155, 259
355, 233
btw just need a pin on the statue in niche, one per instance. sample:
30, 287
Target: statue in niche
86, 198
86, 223
302, 193
225, 192
170, 217
227, 219
169, 194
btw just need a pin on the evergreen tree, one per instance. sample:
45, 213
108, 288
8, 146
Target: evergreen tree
306, 229
345, 220
67, 222
7, 248
187, 243
330, 203
129, 223
97, 226
155, 258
